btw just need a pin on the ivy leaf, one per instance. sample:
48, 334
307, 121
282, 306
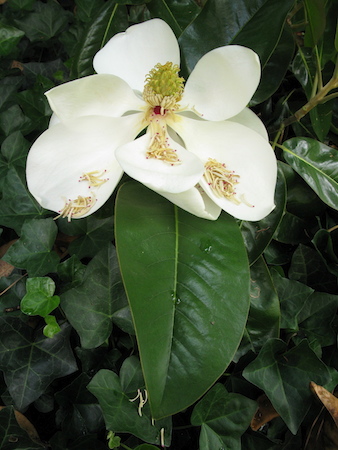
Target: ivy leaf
264, 313
122, 415
30, 361
39, 298
52, 327
80, 412
293, 297
16, 204
224, 417
89, 306
33, 251
12, 436
187, 282
9, 39
284, 375
93, 234
47, 21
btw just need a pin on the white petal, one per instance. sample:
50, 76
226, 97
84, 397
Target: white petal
243, 151
102, 95
53, 120
196, 202
132, 54
156, 174
249, 119
65, 152
222, 82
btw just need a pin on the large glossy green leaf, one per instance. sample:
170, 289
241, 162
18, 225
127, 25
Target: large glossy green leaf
89, 306
258, 235
111, 18
304, 67
178, 15
237, 22
224, 417
316, 13
30, 361
275, 68
317, 164
187, 282
284, 375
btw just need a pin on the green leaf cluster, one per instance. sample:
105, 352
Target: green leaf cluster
142, 326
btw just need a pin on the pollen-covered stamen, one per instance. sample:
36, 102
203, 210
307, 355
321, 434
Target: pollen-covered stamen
221, 180
94, 178
159, 146
142, 400
76, 208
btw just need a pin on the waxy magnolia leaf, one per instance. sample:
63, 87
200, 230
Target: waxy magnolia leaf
101, 295
317, 164
187, 281
110, 19
237, 23
224, 417
30, 361
177, 15
284, 375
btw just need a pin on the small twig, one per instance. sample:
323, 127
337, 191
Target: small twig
10, 286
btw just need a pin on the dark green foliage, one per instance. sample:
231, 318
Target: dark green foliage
205, 316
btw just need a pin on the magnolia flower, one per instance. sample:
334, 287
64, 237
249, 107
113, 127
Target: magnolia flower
202, 148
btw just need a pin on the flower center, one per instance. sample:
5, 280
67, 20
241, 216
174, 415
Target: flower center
163, 88
221, 180
162, 91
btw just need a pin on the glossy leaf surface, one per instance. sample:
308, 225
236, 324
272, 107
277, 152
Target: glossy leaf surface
317, 164
191, 277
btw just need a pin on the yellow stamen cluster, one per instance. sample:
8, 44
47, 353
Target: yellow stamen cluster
221, 180
163, 86
159, 148
76, 208
94, 178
